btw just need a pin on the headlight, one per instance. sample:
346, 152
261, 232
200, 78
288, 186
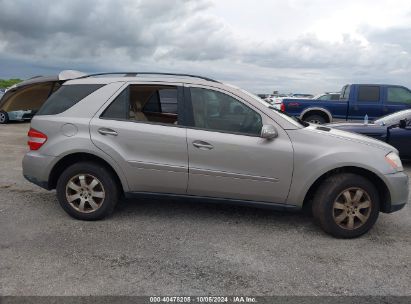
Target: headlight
394, 161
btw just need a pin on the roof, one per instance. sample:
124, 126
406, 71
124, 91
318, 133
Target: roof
79, 77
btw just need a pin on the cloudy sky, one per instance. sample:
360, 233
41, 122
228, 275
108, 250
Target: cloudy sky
265, 45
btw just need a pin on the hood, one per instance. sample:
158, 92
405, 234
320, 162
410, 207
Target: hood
373, 130
353, 137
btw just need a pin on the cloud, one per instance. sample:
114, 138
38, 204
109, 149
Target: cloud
185, 36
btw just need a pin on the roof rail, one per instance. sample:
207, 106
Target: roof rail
134, 74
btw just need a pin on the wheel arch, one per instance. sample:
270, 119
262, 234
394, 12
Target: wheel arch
76, 157
317, 111
383, 191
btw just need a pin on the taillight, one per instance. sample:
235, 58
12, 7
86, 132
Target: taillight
282, 107
36, 139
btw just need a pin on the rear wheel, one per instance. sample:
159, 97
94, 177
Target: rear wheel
87, 191
346, 205
316, 119
4, 117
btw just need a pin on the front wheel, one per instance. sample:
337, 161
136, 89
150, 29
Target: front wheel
315, 119
87, 191
4, 117
346, 205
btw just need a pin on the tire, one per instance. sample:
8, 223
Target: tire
317, 119
4, 117
92, 189
339, 205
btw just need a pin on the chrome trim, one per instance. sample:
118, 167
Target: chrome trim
216, 173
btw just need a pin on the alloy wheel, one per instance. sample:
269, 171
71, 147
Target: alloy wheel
352, 208
85, 193
2, 117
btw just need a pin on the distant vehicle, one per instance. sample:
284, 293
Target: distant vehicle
263, 96
327, 96
298, 95
22, 101
394, 129
356, 101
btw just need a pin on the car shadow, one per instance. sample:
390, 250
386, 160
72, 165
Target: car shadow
201, 211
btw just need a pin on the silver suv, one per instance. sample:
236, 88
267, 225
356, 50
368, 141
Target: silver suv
100, 137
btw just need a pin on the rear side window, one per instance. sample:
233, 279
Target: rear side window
66, 97
145, 103
368, 93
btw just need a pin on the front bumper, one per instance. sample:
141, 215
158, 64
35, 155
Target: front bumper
398, 186
37, 168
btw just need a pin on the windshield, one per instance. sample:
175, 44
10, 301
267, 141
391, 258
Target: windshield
394, 118
294, 120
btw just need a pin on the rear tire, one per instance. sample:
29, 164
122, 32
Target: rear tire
346, 205
316, 119
4, 117
87, 191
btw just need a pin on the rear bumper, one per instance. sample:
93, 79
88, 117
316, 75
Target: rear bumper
398, 185
37, 167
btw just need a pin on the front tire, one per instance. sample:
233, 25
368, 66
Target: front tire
4, 117
316, 119
346, 205
87, 191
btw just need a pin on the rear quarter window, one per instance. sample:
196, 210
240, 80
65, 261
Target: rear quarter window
66, 97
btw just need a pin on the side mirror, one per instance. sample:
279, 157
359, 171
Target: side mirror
403, 123
269, 132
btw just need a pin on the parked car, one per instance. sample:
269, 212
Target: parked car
21, 101
327, 96
356, 101
97, 138
302, 95
394, 129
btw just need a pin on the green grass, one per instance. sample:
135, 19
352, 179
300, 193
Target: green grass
5, 83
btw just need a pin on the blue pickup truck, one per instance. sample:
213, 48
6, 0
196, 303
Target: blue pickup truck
356, 101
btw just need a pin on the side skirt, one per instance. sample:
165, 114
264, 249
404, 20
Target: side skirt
212, 200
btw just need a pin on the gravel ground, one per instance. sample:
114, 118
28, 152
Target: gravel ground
171, 247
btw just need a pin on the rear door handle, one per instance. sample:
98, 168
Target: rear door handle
106, 131
202, 145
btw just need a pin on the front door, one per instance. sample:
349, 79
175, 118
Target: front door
227, 156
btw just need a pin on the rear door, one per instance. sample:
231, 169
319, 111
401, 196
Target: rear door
365, 100
141, 130
227, 156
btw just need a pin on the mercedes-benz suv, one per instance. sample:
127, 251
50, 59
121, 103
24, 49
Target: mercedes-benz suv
100, 137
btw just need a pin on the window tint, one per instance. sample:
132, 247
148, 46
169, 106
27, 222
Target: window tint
217, 111
148, 103
66, 97
368, 93
119, 107
400, 95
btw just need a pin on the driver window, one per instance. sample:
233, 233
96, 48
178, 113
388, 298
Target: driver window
217, 111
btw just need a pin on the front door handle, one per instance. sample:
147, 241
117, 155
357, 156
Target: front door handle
106, 131
202, 145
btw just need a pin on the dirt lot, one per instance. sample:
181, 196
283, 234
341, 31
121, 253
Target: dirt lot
174, 248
